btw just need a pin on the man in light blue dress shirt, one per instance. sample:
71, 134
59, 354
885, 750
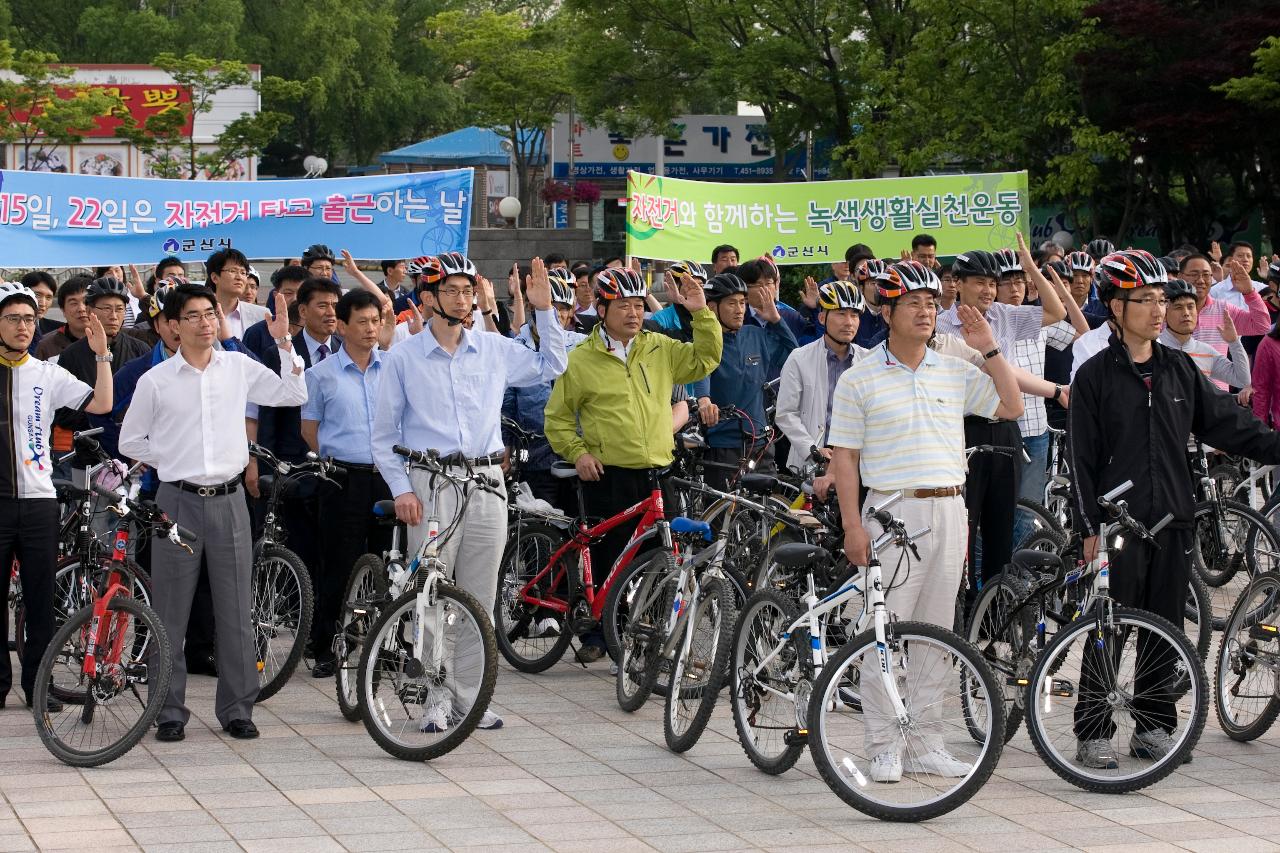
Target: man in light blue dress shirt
442, 390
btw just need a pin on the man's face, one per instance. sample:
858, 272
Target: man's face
1080, 281
231, 281
1182, 315
559, 265
44, 298
760, 293
949, 286
564, 313
732, 311
289, 290
361, 330
841, 325
197, 324
582, 290
1143, 314
110, 312
840, 269
913, 316
319, 316
1199, 275
169, 331
396, 274
18, 324
1012, 289
1243, 255
171, 269
455, 296
622, 318
251, 289
77, 313
927, 255
723, 261
978, 291
321, 268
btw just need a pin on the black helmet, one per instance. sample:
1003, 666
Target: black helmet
722, 285
105, 286
317, 252
1009, 262
1060, 267
1176, 288
1170, 264
1099, 248
976, 263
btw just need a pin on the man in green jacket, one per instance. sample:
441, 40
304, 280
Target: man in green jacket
610, 413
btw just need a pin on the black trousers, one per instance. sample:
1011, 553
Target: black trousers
29, 533
616, 490
1152, 579
348, 529
991, 496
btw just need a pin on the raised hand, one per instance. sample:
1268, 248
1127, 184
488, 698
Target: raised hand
96, 335
415, 318
278, 325
539, 286
975, 328
387, 329
769, 311
1239, 276
1228, 330
695, 299
136, 287
810, 295
1215, 252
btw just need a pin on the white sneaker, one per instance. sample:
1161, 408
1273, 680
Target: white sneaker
887, 767
436, 717
938, 762
489, 721
613, 668
547, 627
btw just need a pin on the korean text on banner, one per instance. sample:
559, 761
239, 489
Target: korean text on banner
61, 220
814, 222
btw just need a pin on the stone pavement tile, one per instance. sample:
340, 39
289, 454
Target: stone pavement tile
1265, 826
51, 793
573, 784
782, 835
82, 839
654, 809
141, 790
1064, 820
273, 829
1233, 809
764, 820
744, 804
1230, 845
147, 836
868, 830
259, 800
506, 786
146, 820
419, 842
79, 823
615, 845
169, 803
314, 796
214, 771
314, 844
549, 800
371, 808
195, 847
423, 791
1196, 794
1149, 847
342, 824
1184, 831
936, 844
485, 836
239, 785
56, 809
550, 815
434, 819
601, 831
245, 813
1142, 814
697, 841
1111, 835
15, 843
1019, 841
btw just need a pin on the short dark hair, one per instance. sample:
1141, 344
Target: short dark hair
293, 272
184, 293
858, 252
923, 240
219, 259
580, 269
722, 249
72, 286
386, 265
99, 272
1194, 256
610, 260
317, 284
171, 261
356, 299
555, 258
753, 270
36, 277
1231, 250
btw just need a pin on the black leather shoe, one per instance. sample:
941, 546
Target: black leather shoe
241, 729
202, 665
171, 732
51, 705
322, 669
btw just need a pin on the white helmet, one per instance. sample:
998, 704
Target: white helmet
16, 290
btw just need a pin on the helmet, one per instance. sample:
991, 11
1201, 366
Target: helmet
1081, 262
722, 285
1128, 270
317, 252
562, 290
164, 290
456, 263
426, 269
1099, 248
1009, 262
105, 286
15, 290
913, 275
976, 263
1060, 267
1176, 288
253, 274
872, 270
620, 283
1273, 273
693, 269
1170, 265
835, 295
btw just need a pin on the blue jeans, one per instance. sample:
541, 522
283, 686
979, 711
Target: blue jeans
1034, 476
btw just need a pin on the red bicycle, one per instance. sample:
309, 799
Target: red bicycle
547, 590
105, 674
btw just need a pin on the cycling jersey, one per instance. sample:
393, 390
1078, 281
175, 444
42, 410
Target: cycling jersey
32, 390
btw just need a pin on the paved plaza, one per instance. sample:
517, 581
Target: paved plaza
571, 772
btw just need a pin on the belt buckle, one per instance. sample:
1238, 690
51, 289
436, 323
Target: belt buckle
206, 491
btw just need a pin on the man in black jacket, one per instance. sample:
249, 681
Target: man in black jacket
1133, 407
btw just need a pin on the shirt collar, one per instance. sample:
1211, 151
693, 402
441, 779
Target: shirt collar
313, 344
430, 343
930, 357
831, 354
345, 360
183, 364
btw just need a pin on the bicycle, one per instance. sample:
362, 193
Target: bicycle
283, 600
430, 656
1127, 668
104, 656
1247, 675
374, 580
887, 682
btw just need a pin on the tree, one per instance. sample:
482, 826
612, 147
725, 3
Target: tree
1259, 92
164, 136
39, 103
202, 27
512, 76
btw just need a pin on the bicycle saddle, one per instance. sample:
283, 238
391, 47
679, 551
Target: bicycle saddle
759, 484
801, 555
563, 471
681, 525
1032, 559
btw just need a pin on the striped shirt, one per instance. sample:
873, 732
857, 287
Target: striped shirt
1028, 354
909, 424
1252, 321
1009, 323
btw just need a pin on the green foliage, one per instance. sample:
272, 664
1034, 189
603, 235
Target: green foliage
1260, 89
41, 103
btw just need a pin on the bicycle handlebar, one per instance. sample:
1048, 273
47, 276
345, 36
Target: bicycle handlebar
148, 513
431, 460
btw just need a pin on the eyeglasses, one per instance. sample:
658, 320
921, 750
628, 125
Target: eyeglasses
205, 316
113, 310
1148, 301
238, 272
1197, 275
454, 292
19, 319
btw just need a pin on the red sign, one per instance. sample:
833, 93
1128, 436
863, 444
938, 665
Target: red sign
141, 100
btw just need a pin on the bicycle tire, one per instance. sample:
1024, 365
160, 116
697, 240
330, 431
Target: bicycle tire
1199, 612
1001, 596
1041, 520
700, 684
366, 589
383, 632
1124, 622
1257, 550
747, 697
648, 595
277, 612
825, 707
512, 618
1239, 655
159, 666
68, 599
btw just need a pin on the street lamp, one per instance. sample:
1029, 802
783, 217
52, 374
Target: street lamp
509, 209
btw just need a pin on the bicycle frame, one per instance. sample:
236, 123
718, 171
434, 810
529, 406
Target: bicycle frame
114, 587
680, 627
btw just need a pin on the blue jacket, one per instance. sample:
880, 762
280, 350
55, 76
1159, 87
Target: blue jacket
751, 356
801, 326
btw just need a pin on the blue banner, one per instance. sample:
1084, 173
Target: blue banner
57, 220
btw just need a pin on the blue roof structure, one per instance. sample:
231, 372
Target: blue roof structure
471, 146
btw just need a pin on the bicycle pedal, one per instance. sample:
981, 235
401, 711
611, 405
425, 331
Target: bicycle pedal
1061, 688
1012, 681
795, 737
1264, 632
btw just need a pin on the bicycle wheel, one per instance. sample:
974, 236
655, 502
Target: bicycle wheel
532, 638
1232, 544
1247, 676
637, 608
1197, 621
73, 589
1030, 518
700, 666
1135, 678
281, 615
943, 765
122, 697
1004, 632
769, 691
366, 591
421, 708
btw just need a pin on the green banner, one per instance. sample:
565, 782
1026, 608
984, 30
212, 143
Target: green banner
803, 223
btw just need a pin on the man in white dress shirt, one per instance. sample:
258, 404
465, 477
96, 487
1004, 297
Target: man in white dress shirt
228, 272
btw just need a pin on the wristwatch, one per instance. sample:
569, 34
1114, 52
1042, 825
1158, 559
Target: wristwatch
1057, 393
990, 355
105, 358
283, 340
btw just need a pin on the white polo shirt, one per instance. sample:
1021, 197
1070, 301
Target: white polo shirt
32, 391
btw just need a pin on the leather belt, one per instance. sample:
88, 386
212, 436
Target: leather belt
358, 466
939, 492
207, 491
481, 461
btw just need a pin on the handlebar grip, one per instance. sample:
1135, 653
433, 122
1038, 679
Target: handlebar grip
882, 517
1161, 524
104, 492
86, 433
401, 450
89, 444
185, 534
1118, 491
